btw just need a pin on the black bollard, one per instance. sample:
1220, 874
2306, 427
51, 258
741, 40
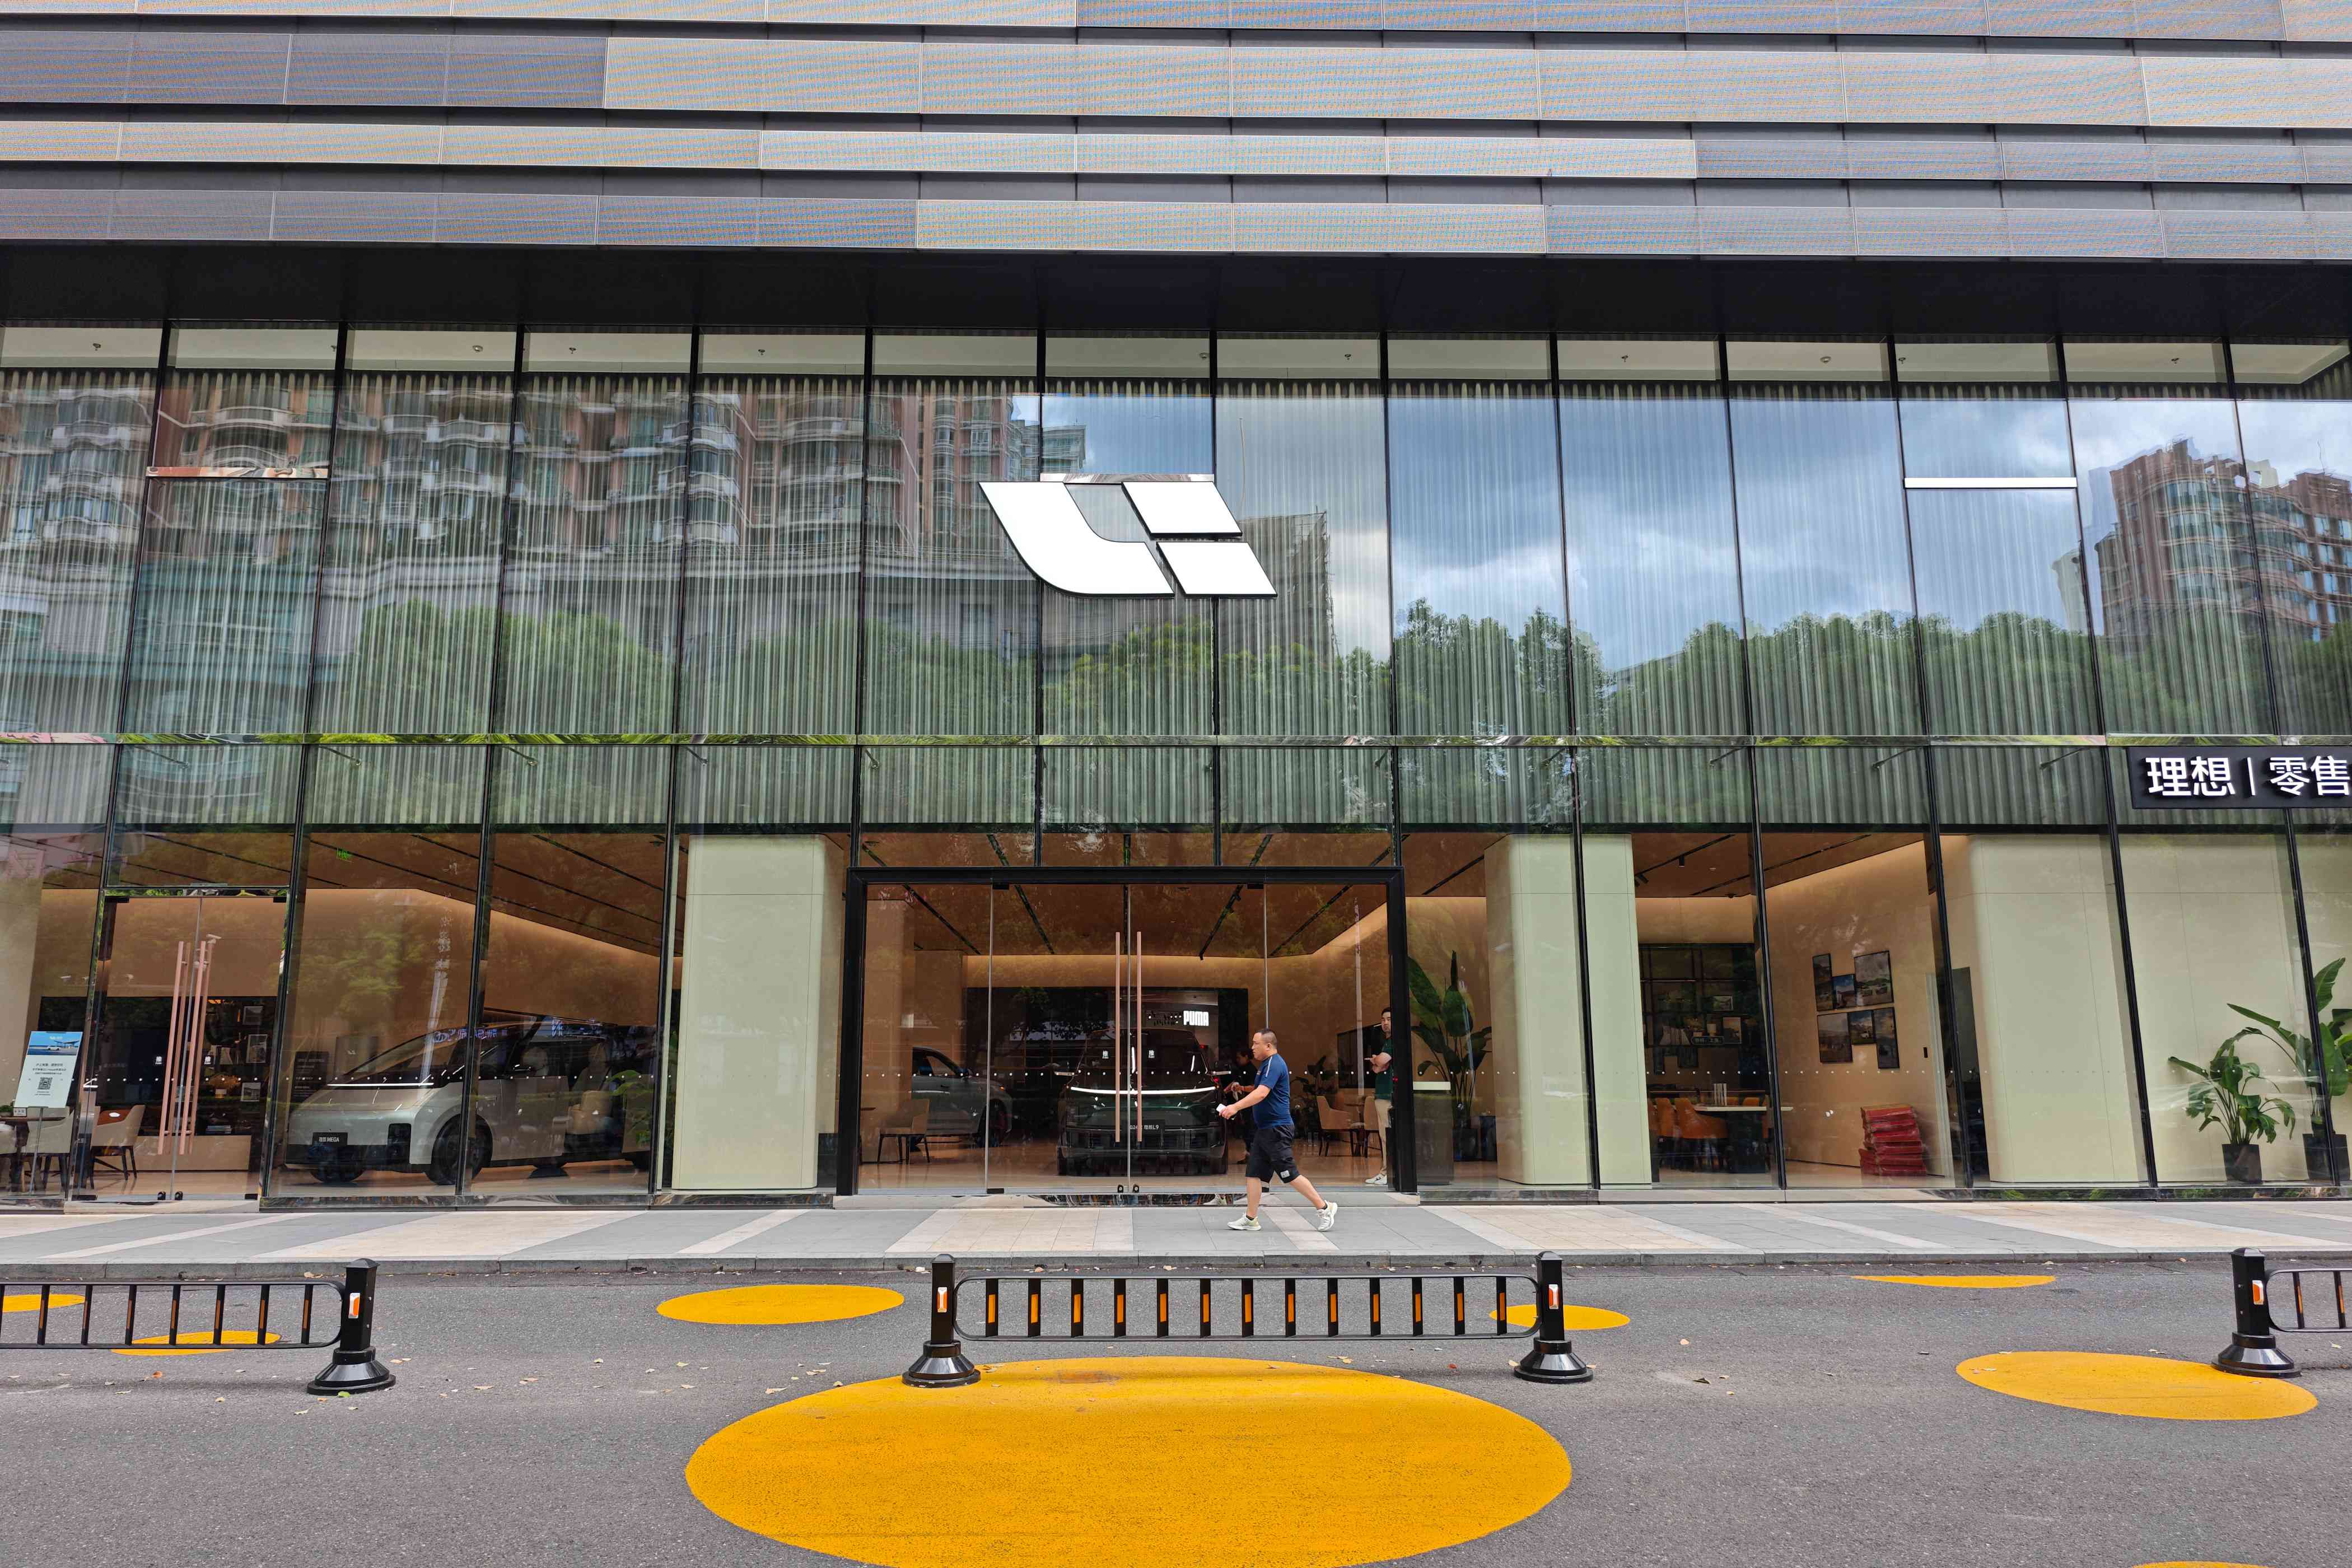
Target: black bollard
354, 1369
2253, 1349
1552, 1360
942, 1363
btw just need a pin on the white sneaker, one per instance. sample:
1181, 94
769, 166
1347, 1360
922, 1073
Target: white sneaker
1380, 1181
1246, 1223
1327, 1216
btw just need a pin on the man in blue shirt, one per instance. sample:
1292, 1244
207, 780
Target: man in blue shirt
1269, 1150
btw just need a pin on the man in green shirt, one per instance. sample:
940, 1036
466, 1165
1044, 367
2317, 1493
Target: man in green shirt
1383, 1084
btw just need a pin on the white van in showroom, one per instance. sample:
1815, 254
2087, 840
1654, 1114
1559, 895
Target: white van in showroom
547, 1091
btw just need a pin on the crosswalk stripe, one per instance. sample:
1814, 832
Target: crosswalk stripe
744, 1232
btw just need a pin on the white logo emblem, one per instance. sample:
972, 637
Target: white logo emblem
1184, 514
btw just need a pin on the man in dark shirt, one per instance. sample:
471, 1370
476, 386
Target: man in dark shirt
1269, 1156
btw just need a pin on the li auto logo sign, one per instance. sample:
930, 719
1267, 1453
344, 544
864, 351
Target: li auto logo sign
1190, 527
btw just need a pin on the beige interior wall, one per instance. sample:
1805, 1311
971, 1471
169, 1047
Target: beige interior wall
44, 952
1692, 920
2327, 908
2033, 922
20, 925
760, 1010
2212, 924
1538, 1079
1881, 903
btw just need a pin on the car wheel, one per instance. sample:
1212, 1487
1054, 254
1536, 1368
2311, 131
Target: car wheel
999, 1124
443, 1168
642, 1160
341, 1172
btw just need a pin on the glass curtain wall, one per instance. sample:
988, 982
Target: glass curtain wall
1825, 564
73, 451
423, 534
418, 507
380, 1036
228, 559
1302, 462
588, 594
568, 1065
1480, 614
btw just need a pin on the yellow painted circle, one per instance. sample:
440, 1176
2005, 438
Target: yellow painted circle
781, 1304
197, 1342
1964, 1281
2135, 1386
1578, 1320
31, 1301
844, 1471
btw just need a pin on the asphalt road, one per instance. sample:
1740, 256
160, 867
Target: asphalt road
1792, 1417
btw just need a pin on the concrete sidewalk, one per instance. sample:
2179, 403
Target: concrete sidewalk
232, 1239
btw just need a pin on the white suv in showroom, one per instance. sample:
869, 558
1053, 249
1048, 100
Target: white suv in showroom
547, 1091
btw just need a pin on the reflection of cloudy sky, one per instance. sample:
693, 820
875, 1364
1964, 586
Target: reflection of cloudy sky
1981, 438
1649, 523
1820, 509
1477, 507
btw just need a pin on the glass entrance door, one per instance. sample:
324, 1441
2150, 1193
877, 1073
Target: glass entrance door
186, 1027
1078, 1037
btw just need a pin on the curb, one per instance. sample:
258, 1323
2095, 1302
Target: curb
1136, 1266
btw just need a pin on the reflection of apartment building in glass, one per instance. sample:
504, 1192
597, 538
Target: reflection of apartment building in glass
2179, 543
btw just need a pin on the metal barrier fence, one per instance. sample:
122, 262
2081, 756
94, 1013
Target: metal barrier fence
2253, 1349
1223, 1308
166, 1315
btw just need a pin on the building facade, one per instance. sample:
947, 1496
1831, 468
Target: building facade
1777, 621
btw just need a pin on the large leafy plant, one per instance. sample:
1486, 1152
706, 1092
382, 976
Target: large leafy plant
2322, 1060
1445, 1024
2230, 1092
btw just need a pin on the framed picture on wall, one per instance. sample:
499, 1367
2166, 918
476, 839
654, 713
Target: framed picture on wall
1890, 1057
1874, 979
1835, 1045
1861, 1028
1842, 991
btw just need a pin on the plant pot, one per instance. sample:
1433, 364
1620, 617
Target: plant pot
2242, 1163
2323, 1158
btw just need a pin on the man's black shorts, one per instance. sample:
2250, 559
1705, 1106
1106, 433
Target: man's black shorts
1269, 1156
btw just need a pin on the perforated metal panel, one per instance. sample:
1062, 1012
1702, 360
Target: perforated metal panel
1776, 231
2253, 236
177, 66
1930, 231
1155, 80
1621, 231
2048, 231
161, 215
360, 217
54, 214
1918, 88
526, 70
1460, 84
64, 66
678, 220
369, 68
470, 217
1032, 77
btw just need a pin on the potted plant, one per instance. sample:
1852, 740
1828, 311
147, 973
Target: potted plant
1444, 1021
2230, 1092
2323, 1061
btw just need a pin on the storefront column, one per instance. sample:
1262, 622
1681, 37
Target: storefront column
758, 1014
2032, 924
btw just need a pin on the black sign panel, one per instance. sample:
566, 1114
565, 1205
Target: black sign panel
2263, 778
